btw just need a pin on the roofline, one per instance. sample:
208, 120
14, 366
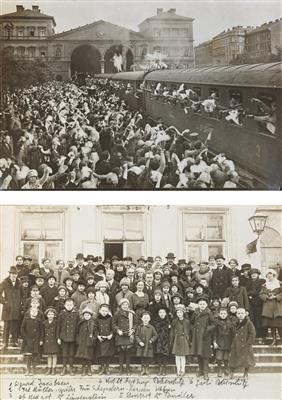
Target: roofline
10, 17
171, 19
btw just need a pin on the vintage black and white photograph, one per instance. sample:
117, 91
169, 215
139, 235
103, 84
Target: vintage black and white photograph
140, 95
141, 302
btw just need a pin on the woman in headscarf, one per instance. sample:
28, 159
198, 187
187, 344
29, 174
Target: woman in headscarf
271, 295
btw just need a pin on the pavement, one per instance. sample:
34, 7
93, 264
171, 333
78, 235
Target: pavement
265, 386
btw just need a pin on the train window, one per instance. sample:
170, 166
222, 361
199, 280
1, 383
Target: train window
198, 90
235, 98
214, 91
265, 113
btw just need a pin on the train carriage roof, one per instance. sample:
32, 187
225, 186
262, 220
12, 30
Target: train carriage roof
129, 76
262, 75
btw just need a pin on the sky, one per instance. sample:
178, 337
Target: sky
211, 17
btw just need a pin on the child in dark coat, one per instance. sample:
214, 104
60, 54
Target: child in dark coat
66, 334
34, 294
50, 345
232, 312
145, 337
203, 327
49, 291
162, 344
241, 349
59, 301
104, 332
85, 341
156, 305
237, 293
180, 335
222, 340
32, 334
124, 326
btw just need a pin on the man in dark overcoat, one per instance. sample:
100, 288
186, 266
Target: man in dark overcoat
11, 297
221, 278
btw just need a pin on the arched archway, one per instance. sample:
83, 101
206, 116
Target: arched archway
85, 59
115, 60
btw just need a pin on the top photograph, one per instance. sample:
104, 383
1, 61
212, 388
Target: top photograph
140, 95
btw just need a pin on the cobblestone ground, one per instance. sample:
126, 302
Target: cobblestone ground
41, 387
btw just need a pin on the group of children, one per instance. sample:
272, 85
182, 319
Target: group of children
123, 310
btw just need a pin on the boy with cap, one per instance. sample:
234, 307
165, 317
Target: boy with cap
66, 334
49, 291
222, 340
50, 345
85, 341
145, 337
79, 295
124, 326
104, 333
11, 298
203, 328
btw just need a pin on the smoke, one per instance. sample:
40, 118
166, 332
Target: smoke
117, 59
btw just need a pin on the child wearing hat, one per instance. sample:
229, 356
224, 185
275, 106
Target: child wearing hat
176, 299
66, 334
34, 294
162, 345
237, 293
156, 304
232, 312
79, 295
203, 328
105, 342
85, 341
49, 291
90, 302
39, 281
158, 273
253, 288
241, 348
102, 296
124, 292
32, 334
124, 326
50, 345
244, 276
180, 336
145, 337
59, 301
222, 340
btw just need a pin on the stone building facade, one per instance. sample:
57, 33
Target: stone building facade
90, 48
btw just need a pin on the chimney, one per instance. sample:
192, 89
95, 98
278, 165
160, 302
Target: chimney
20, 8
35, 9
159, 11
172, 10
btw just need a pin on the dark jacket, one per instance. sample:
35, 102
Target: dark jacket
103, 327
49, 293
112, 292
223, 333
203, 327
10, 297
50, 345
180, 337
67, 325
239, 295
271, 308
148, 335
253, 291
85, 339
32, 334
154, 309
220, 281
123, 320
162, 344
241, 349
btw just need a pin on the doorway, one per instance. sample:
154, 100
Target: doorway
113, 249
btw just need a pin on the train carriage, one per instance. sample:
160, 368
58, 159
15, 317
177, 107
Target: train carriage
130, 90
255, 143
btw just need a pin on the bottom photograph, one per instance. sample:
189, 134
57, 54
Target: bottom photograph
140, 302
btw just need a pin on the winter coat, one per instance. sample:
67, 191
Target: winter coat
253, 290
148, 335
45, 273
223, 333
32, 334
180, 337
239, 295
206, 275
271, 308
78, 298
10, 297
61, 275
103, 327
150, 291
154, 309
162, 344
120, 295
67, 325
241, 349
85, 339
203, 327
220, 281
122, 320
50, 345
59, 303
139, 305
112, 292
49, 293
28, 301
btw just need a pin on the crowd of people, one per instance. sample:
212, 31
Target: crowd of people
93, 310
60, 135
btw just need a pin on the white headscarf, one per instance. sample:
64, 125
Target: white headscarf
274, 284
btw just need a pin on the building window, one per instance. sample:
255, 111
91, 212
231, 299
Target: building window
31, 51
21, 51
123, 234
42, 235
20, 31
42, 31
204, 235
271, 248
58, 52
31, 30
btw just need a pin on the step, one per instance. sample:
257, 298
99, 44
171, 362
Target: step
135, 369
